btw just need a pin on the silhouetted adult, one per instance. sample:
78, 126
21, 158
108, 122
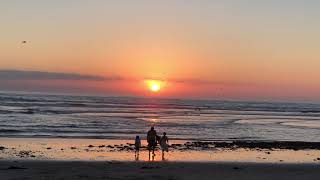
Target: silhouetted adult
152, 140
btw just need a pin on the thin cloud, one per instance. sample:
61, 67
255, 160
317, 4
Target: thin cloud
39, 75
204, 82
208, 82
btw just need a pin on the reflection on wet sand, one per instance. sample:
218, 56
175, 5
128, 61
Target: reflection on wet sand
136, 156
119, 150
152, 155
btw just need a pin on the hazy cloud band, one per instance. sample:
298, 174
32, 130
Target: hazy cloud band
38, 75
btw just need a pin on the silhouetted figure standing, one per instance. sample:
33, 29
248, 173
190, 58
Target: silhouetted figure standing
152, 141
137, 145
164, 144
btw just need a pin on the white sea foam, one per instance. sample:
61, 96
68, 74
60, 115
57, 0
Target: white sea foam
308, 124
124, 117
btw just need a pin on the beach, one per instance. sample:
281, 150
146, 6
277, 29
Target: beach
62, 149
58, 158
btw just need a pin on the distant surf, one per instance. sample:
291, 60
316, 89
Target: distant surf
32, 115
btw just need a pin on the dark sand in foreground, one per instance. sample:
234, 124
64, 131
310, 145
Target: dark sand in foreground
155, 170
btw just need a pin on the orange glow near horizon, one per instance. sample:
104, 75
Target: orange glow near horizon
138, 49
154, 85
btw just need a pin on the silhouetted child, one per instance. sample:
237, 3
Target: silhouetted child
164, 142
137, 144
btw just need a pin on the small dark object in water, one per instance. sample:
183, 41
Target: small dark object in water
318, 159
101, 146
268, 152
29, 111
90, 146
236, 168
49, 148
73, 148
2, 148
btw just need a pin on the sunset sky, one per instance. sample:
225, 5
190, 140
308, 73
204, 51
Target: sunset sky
228, 49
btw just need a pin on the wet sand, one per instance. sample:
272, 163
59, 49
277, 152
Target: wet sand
122, 150
155, 170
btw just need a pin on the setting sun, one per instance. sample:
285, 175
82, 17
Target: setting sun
154, 85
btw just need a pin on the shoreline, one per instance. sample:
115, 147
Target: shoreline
179, 151
190, 144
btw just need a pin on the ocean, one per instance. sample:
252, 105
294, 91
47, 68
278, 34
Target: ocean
65, 116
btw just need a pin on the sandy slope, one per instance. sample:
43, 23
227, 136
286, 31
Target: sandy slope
155, 170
